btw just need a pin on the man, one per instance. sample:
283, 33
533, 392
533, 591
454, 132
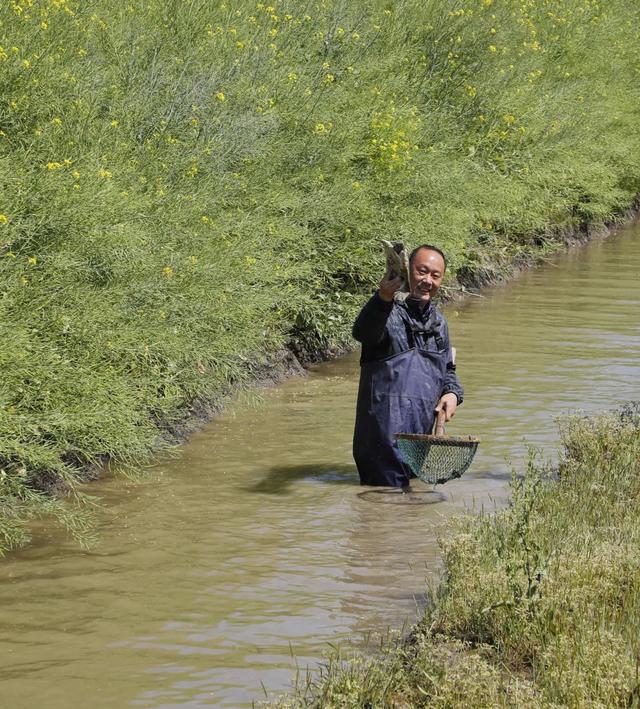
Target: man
407, 371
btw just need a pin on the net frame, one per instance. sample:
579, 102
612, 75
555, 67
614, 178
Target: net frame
437, 459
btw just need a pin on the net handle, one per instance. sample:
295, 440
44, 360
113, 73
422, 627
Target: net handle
438, 428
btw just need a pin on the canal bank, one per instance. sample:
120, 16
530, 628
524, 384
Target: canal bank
252, 541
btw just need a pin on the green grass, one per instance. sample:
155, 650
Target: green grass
187, 189
539, 605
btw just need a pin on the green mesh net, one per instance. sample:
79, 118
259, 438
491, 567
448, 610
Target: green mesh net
437, 459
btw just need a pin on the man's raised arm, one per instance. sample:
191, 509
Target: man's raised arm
372, 319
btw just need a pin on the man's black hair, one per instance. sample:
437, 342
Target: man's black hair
430, 247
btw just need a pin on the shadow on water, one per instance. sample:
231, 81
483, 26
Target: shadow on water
498, 475
279, 478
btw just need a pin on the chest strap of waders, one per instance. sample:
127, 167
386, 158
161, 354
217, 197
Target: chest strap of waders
429, 329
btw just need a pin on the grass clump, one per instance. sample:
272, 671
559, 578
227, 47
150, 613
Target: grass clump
190, 188
552, 583
540, 602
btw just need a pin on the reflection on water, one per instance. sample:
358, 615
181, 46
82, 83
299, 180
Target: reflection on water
414, 495
253, 541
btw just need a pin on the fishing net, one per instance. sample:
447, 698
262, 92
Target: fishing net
437, 459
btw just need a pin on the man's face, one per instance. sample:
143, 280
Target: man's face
427, 272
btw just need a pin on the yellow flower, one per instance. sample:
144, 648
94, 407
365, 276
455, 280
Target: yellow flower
54, 165
220, 97
106, 174
32, 260
167, 272
493, 48
3, 219
114, 123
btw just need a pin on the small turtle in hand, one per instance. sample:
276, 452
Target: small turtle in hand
397, 262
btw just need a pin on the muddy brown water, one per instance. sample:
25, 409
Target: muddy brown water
252, 542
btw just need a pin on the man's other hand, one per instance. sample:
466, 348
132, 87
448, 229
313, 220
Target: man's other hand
448, 403
388, 286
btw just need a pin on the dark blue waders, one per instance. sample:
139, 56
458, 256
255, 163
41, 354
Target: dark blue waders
396, 395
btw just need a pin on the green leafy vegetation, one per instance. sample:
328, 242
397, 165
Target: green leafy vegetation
190, 189
540, 602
